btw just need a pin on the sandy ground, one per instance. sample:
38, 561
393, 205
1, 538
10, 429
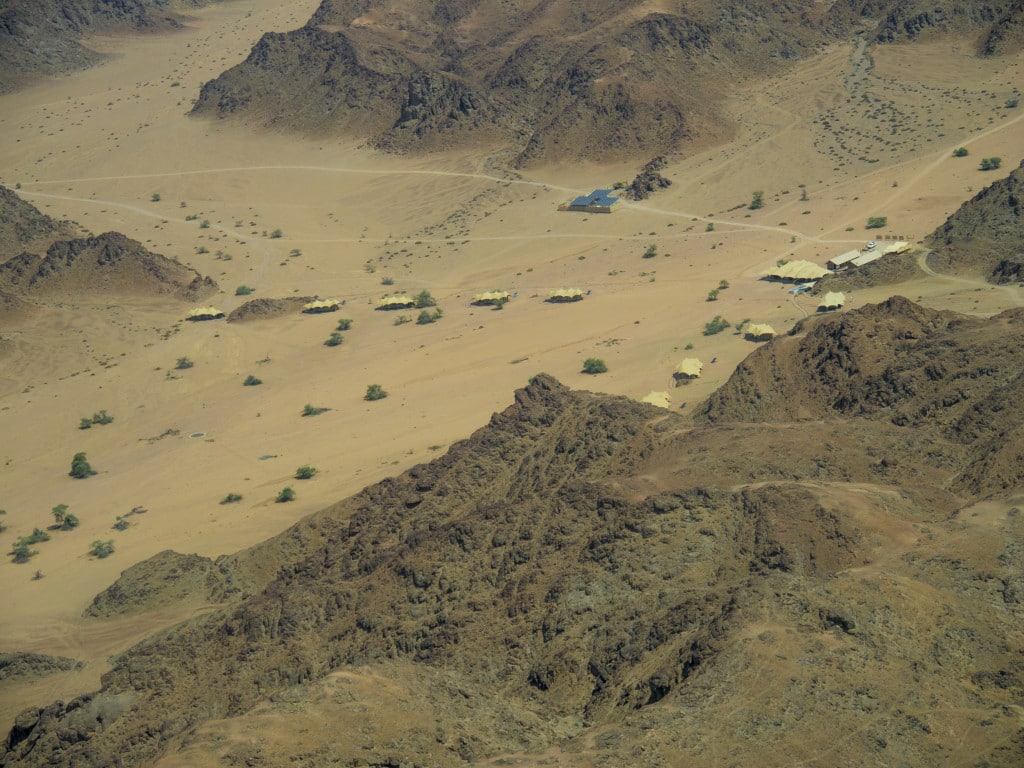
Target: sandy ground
97, 146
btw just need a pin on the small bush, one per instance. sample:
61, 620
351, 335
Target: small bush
80, 467
876, 222
688, 347
21, 552
102, 549
334, 340
713, 294
716, 325
723, 284
375, 392
313, 410
204, 224
651, 252
756, 201
155, 197
36, 536
710, 227
286, 494
2, 526
387, 281
251, 381
244, 290
121, 524
183, 363
960, 152
305, 472
344, 324
990, 163
231, 498
426, 317
1012, 103
277, 234
424, 300
402, 320
594, 365
294, 252
102, 417
85, 423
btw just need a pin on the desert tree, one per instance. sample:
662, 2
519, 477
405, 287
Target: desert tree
80, 467
594, 365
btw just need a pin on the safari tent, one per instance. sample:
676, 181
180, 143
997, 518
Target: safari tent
831, 300
843, 260
759, 332
204, 313
688, 369
565, 294
396, 302
660, 399
321, 305
491, 297
797, 270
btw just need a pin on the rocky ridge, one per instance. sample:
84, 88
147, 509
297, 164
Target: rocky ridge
600, 566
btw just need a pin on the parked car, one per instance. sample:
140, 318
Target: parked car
870, 246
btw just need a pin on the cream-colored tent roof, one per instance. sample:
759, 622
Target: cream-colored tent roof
845, 258
798, 270
690, 367
320, 304
898, 247
490, 297
660, 399
396, 301
832, 299
566, 293
757, 330
867, 258
204, 312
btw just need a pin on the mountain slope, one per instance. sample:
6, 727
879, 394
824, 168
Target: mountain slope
605, 581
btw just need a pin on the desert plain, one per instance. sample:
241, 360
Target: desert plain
112, 148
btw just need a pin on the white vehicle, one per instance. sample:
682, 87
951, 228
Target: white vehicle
870, 246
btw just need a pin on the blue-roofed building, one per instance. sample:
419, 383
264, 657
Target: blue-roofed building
598, 201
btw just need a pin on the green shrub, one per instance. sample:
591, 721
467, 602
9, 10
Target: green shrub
651, 252
723, 284
21, 552
344, 324
402, 320
36, 536
155, 197
286, 494
251, 381
990, 163
231, 498
244, 290
2, 526
713, 294
121, 524
305, 472
716, 325
204, 224
80, 467
960, 152
277, 234
426, 317
313, 410
375, 392
334, 340
594, 365
85, 423
756, 201
183, 363
424, 300
387, 281
102, 549
876, 222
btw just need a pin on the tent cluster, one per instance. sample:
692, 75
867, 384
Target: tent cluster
797, 270
831, 300
321, 305
492, 297
566, 294
204, 313
396, 302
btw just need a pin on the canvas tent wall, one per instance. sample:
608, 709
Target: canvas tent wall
900, 246
843, 260
689, 368
660, 399
760, 332
491, 297
797, 270
321, 305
